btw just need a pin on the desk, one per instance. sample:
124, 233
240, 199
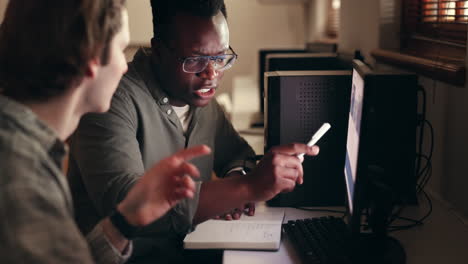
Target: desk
442, 239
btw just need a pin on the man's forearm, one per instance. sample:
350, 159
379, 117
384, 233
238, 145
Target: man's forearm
222, 195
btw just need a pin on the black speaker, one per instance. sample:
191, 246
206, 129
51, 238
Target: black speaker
297, 104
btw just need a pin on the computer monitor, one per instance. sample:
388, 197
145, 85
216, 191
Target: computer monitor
321, 47
293, 60
262, 53
297, 104
354, 188
257, 119
384, 112
380, 158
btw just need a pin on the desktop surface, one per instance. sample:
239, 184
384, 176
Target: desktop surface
442, 239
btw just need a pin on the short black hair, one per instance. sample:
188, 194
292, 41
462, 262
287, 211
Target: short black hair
165, 10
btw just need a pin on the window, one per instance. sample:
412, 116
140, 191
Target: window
333, 21
444, 11
435, 29
433, 40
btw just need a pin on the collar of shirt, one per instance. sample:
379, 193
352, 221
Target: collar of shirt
25, 119
142, 63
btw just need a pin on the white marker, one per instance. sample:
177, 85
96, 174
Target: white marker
315, 138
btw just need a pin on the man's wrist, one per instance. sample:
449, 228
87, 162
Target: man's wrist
245, 187
122, 224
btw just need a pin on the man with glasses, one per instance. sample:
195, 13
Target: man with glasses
164, 104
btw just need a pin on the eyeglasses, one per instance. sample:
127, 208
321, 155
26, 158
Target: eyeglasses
197, 64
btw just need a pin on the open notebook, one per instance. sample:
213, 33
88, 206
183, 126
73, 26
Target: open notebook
259, 232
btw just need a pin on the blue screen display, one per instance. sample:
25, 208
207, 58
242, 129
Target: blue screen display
352, 144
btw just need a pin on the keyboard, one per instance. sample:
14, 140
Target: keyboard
323, 240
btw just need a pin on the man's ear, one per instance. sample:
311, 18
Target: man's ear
92, 69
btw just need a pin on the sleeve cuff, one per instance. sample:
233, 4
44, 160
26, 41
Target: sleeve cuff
103, 251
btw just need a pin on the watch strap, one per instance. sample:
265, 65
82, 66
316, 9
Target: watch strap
125, 228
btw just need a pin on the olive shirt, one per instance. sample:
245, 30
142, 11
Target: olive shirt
36, 212
110, 151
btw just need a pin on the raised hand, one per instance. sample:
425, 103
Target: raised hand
161, 187
279, 171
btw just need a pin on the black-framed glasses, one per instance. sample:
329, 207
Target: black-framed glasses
197, 64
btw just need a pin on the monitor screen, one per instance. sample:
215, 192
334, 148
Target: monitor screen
352, 143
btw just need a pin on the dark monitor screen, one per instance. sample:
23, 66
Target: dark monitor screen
381, 145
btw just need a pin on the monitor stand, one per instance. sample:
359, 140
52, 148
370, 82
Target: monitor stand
379, 249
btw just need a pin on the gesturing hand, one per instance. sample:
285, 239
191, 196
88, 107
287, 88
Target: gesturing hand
161, 187
279, 171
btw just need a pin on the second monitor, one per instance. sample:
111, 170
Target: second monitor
293, 60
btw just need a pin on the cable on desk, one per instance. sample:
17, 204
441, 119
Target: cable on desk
423, 178
423, 174
416, 222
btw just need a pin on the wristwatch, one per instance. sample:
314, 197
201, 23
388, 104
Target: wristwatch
125, 228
